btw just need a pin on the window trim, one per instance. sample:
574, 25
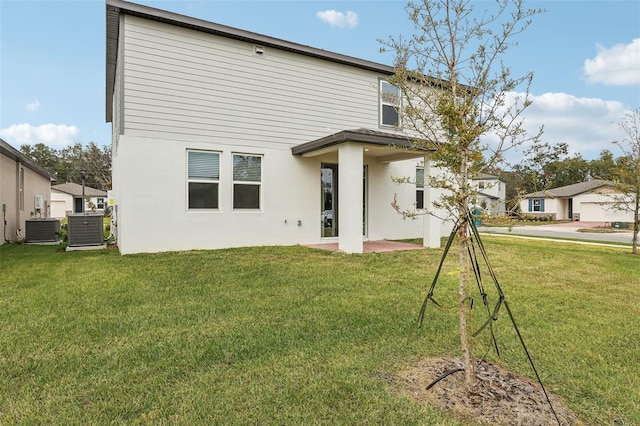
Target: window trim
419, 188
382, 103
235, 182
189, 180
536, 203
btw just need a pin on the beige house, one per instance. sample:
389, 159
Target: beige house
25, 192
590, 201
66, 199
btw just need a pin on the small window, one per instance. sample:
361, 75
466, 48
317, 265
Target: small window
481, 185
389, 104
203, 178
536, 205
100, 203
419, 188
247, 181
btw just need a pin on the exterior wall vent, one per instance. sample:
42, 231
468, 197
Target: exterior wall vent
42, 230
258, 50
85, 230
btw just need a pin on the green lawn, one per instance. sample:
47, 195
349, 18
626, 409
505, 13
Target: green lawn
291, 335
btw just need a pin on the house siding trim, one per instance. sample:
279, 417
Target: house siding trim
115, 8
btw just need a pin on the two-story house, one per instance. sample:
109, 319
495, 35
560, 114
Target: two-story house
226, 138
490, 194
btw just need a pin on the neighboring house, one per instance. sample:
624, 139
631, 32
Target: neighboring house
25, 189
66, 199
226, 138
589, 201
491, 194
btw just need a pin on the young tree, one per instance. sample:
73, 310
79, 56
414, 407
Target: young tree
457, 89
627, 171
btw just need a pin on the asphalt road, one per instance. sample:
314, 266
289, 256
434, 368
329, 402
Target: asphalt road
561, 232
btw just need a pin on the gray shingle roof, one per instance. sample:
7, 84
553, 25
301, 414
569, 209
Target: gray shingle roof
570, 190
76, 190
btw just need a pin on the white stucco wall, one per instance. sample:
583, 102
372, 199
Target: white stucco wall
152, 207
179, 89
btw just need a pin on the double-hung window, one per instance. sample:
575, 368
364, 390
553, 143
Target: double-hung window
100, 203
389, 104
536, 205
203, 177
419, 188
247, 181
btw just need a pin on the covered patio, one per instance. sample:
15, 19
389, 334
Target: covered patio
350, 149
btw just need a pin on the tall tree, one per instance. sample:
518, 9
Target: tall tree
602, 167
627, 171
456, 88
67, 163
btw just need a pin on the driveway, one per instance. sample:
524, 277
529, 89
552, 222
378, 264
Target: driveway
568, 230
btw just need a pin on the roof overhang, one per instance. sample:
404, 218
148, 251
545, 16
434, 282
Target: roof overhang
385, 147
12, 153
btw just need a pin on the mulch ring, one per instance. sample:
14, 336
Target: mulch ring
498, 397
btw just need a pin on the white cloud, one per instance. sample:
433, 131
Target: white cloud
587, 125
617, 66
33, 106
339, 19
53, 135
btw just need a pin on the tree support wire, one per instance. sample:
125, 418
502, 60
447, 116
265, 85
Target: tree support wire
475, 241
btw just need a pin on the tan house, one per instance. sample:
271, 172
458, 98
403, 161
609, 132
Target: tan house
66, 199
590, 201
25, 192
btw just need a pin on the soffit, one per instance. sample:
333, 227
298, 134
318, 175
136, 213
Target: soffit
384, 147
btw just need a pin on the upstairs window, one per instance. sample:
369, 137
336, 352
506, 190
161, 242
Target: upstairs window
419, 188
203, 179
100, 203
389, 104
247, 181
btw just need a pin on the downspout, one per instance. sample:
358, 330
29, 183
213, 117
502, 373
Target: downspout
4, 221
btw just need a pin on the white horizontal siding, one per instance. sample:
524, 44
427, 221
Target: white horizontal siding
185, 84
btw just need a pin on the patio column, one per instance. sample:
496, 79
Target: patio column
350, 163
431, 224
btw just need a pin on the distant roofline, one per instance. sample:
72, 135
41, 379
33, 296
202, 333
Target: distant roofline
570, 190
114, 8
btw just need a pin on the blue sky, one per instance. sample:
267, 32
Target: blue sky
585, 56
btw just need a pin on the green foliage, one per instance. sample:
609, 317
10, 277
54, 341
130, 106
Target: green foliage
67, 163
291, 335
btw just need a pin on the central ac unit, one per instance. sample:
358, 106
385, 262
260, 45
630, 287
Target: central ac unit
43, 230
85, 230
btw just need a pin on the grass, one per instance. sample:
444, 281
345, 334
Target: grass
291, 335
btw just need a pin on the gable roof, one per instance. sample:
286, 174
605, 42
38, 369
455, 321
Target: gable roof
115, 8
76, 190
570, 190
12, 153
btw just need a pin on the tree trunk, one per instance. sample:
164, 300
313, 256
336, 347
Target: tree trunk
469, 373
463, 236
634, 240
